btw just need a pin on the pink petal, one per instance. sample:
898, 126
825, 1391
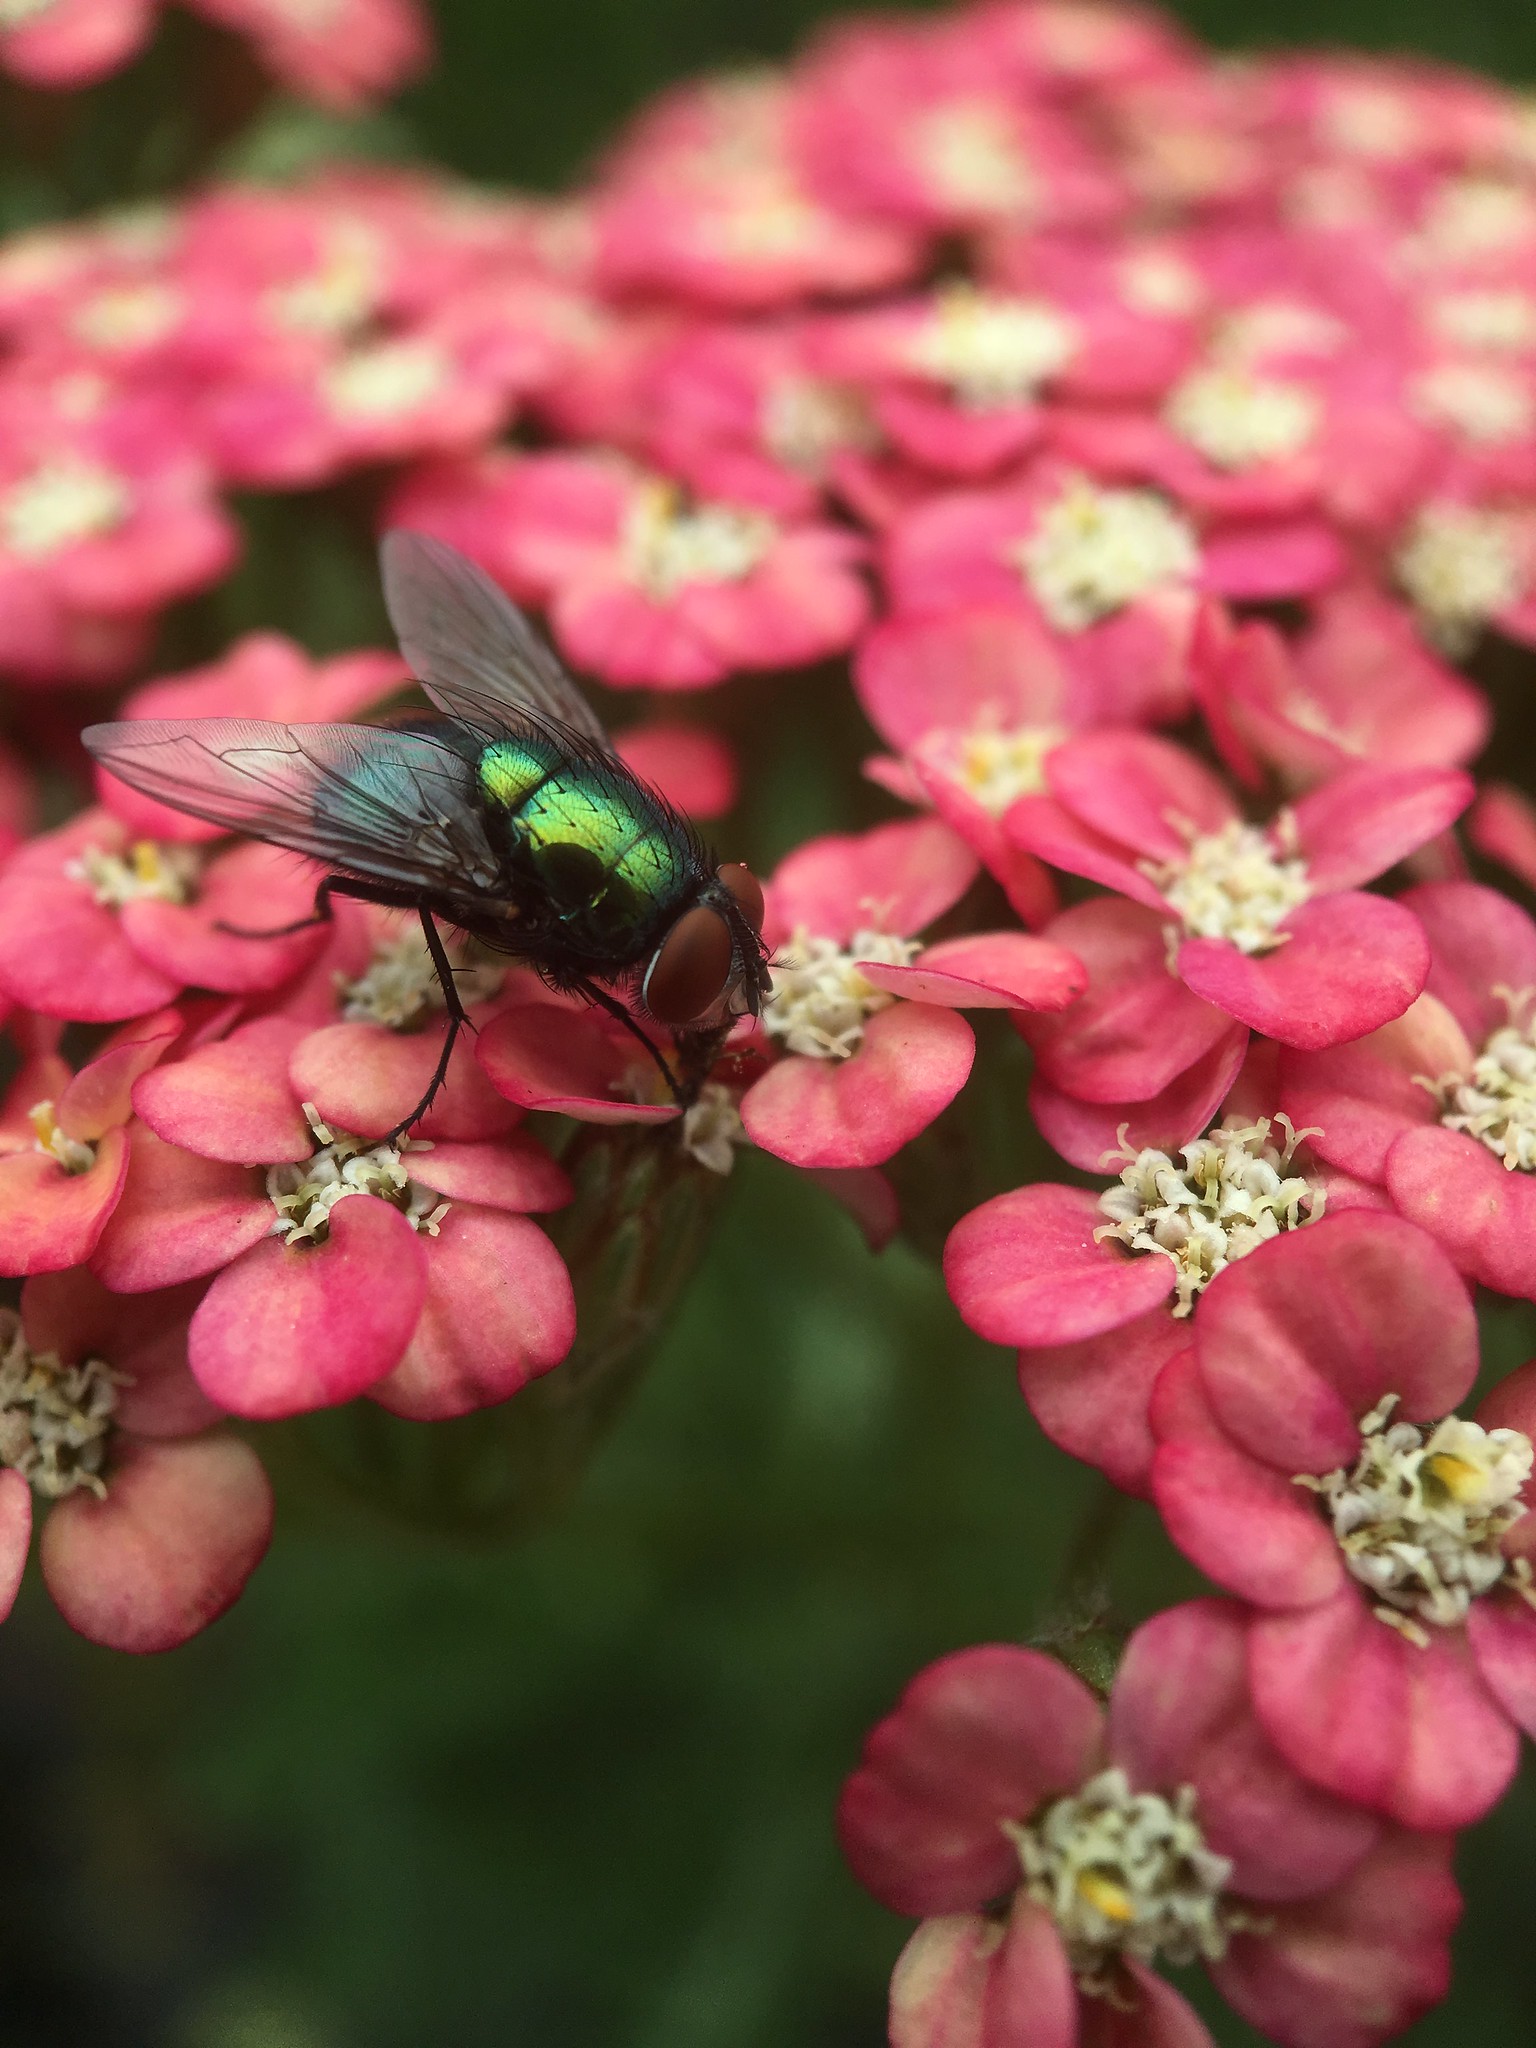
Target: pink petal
1368, 819
1179, 1715
897, 878
1503, 826
983, 667
1091, 1135
693, 767
988, 971
513, 1173
1141, 792
980, 1737
182, 1528
1350, 963
142, 1335
364, 1079
65, 955
231, 1100
1052, 833
1501, 1629
1478, 941
251, 885
548, 1056
15, 1536
49, 1218
285, 1330
1300, 1339
1026, 1269
1356, 1099
499, 1311
1356, 1707
1480, 1210
1355, 1966
1091, 1398
1136, 1029
857, 1112
867, 1196
100, 1095
179, 1216
964, 1982
1247, 1526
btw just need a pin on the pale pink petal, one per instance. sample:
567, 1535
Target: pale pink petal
1479, 941
179, 1216
1094, 1135
1025, 1268
1258, 561
983, 667
182, 1528
1356, 1099
693, 767
966, 1982
1503, 826
1356, 1707
253, 886
15, 1536
1368, 819
231, 1100
50, 1218
857, 1112
987, 971
1092, 1398
1052, 833
513, 1173
897, 878
364, 1079
1480, 1210
100, 1095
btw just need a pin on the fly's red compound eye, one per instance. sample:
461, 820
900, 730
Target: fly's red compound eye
691, 968
742, 885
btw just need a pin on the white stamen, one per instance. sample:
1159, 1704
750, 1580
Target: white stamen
1496, 1102
1477, 217
54, 1419
64, 500
806, 421
1000, 766
991, 351
666, 547
1461, 567
1126, 1873
305, 1194
73, 1154
1236, 884
1093, 552
1232, 1193
1421, 1516
384, 380
970, 149
151, 868
400, 986
1482, 403
820, 1002
1237, 420
712, 1128
15, 13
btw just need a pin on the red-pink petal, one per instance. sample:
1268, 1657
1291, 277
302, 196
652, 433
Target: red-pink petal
693, 767
1356, 1707
513, 1173
857, 1112
1300, 1339
179, 1216
182, 1528
1479, 941
15, 1536
1092, 1135
1350, 963
1141, 792
142, 1335
963, 1981
1366, 820
49, 1218
980, 1737
364, 1079
988, 971
285, 1329
499, 1311
1501, 1630
231, 1100
1091, 1398
65, 955
1052, 833
1025, 1268
100, 1095
548, 1056
896, 878
1356, 1099
981, 667
1480, 1210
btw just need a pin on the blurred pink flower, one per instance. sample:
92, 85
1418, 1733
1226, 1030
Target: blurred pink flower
1058, 1848
1394, 1660
71, 43
343, 53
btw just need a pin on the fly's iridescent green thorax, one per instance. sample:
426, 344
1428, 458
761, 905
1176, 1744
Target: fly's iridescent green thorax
614, 864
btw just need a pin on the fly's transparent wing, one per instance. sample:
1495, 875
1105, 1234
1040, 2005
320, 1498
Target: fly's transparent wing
476, 655
394, 806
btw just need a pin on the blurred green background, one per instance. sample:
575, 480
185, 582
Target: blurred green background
576, 1791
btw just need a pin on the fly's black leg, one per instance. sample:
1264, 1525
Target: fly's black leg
457, 1019
333, 885
616, 1009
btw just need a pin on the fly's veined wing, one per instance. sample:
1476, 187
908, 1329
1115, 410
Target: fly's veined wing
395, 806
476, 655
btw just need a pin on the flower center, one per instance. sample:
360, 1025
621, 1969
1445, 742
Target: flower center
820, 1002
1158, 282
1477, 217
1421, 1515
1094, 552
1482, 403
1125, 1873
712, 1128
1232, 1193
149, 868
400, 987
806, 421
1000, 767
1461, 568
54, 1419
73, 1154
304, 1195
384, 381
971, 152
1234, 885
1503, 321
989, 351
339, 295
64, 500
765, 221
13, 13
1237, 420
667, 547
1496, 1101
127, 315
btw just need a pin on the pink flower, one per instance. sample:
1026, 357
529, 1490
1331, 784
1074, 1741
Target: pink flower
63, 1148
644, 589
1059, 1848
694, 768
865, 1013
343, 53
410, 1272
1357, 686
97, 925
72, 43
1268, 923
1440, 1106
1309, 1459
1502, 826
1468, 565
1111, 573
154, 1525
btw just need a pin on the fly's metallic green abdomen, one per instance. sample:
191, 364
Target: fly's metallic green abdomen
613, 864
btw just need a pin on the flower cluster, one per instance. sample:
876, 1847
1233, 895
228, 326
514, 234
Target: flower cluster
1155, 439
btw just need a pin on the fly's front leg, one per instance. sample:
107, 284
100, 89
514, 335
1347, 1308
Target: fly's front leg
616, 1010
458, 1018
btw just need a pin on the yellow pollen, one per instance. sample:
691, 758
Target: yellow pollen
1106, 1897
